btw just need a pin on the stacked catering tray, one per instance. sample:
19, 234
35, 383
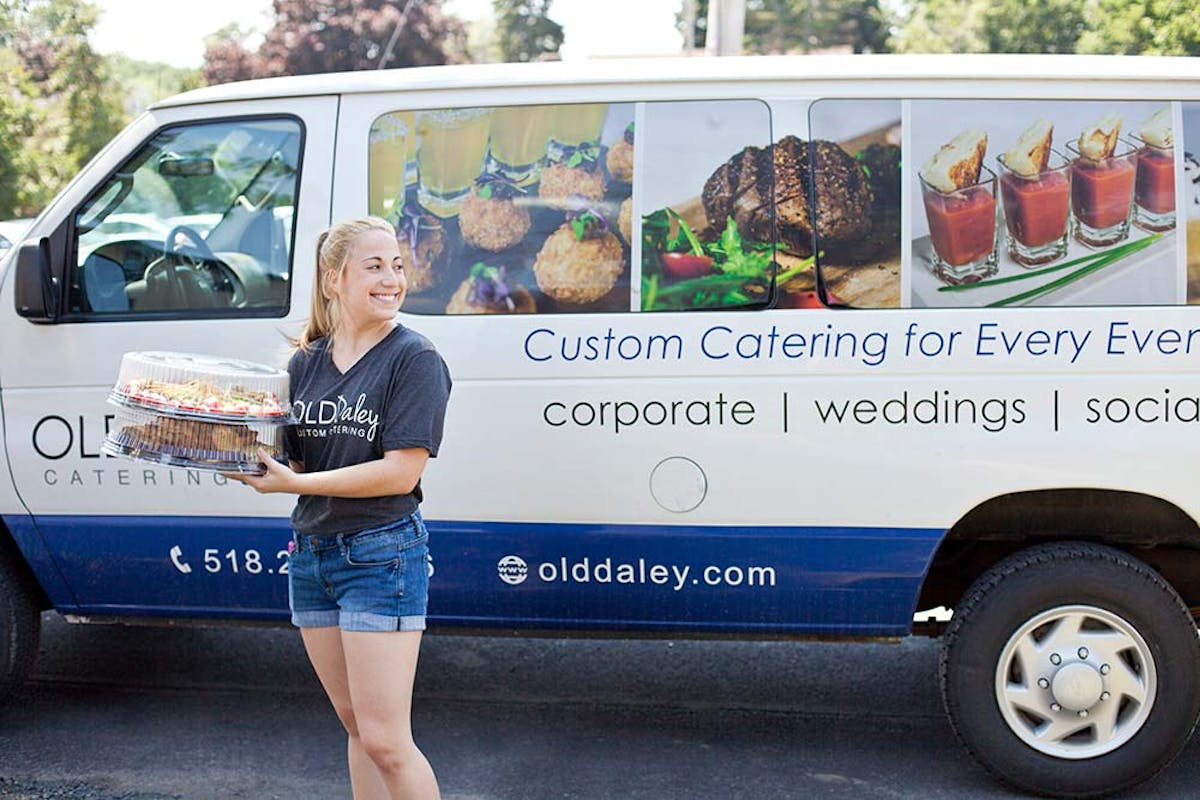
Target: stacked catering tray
198, 412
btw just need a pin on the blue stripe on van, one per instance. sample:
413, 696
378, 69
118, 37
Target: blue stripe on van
850, 581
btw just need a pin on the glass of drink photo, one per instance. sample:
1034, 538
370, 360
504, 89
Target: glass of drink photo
1154, 188
962, 229
390, 139
576, 127
1102, 194
1036, 210
451, 148
517, 143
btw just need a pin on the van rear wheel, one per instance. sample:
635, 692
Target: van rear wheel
1072, 670
20, 627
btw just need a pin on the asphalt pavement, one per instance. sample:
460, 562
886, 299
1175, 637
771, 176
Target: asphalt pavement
127, 713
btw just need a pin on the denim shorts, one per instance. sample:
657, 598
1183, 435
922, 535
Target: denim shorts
371, 580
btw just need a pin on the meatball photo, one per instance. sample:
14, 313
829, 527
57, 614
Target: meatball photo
580, 176
581, 261
491, 217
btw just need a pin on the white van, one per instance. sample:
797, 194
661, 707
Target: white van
760, 347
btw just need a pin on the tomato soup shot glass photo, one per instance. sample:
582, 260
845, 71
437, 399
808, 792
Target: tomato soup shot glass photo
1102, 194
1036, 210
1154, 188
962, 227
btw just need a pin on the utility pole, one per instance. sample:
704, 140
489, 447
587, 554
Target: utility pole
391, 45
689, 27
726, 26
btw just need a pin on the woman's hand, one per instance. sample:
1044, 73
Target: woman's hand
278, 478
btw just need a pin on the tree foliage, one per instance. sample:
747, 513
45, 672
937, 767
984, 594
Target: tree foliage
310, 36
60, 105
524, 30
804, 26
942, 26
20, 192
1150, 27
1042, 26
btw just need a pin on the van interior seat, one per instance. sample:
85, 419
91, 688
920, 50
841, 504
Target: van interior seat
104, 284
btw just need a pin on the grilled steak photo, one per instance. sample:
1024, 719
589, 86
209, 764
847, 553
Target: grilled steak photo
742, 187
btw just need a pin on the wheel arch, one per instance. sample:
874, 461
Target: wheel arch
1149, 528
25, 575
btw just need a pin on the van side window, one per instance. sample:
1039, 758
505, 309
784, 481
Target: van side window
197, 223
1013, 202
1059, 202
854, 150
531, 209
707, 220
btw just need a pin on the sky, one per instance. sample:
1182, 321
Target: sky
174, 32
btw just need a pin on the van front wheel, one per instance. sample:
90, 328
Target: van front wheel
20, 627
1072, 670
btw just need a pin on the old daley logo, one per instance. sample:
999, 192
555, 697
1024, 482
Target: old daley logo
327, 412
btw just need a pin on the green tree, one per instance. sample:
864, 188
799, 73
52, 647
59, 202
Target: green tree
942, 26
59, 85
525, 31
805, 26
310, 36
1034, 26
789, 26
1150, 27
142, 82
20, 194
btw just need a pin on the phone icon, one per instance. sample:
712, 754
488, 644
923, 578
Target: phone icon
177, 560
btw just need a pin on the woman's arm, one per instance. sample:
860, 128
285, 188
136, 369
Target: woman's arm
396, 473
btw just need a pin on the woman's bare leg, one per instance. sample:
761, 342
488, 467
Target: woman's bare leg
380, 669
324, 646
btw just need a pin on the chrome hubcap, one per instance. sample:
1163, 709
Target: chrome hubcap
1075, 682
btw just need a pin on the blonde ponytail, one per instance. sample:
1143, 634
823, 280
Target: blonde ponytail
333, 246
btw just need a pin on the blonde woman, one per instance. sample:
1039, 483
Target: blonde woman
370, 396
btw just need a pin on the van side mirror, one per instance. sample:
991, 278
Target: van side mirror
38, 292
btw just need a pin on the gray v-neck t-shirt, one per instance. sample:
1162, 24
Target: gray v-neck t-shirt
393, 398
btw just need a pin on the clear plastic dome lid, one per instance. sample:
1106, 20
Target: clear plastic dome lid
192, 443
202, 387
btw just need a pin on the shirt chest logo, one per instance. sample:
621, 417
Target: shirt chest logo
322, 418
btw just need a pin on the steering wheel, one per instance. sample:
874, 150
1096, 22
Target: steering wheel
198, 249
182, 277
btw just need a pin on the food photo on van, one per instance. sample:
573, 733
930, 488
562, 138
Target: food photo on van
969, 283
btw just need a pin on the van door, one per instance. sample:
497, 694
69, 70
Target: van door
193, 232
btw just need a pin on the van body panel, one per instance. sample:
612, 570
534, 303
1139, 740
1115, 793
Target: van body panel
832, 581
41, 561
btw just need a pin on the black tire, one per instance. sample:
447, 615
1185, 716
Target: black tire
1058, 579
20, 626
